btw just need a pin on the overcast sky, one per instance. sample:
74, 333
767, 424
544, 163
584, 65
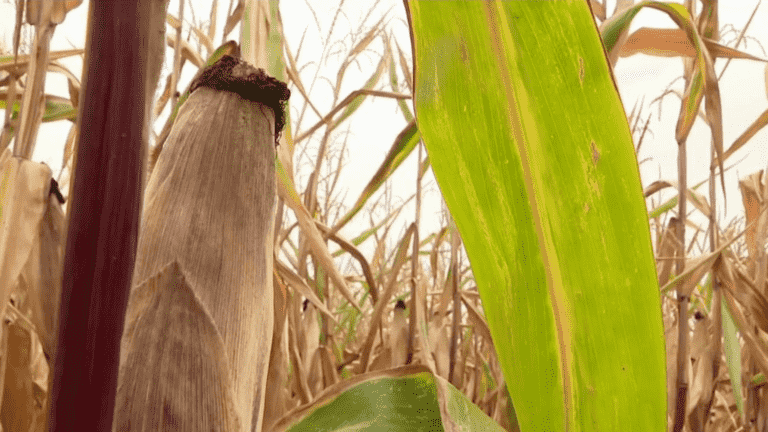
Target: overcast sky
371, 131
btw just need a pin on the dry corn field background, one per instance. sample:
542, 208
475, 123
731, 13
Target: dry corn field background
343, 292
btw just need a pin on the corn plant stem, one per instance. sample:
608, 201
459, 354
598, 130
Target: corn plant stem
32, 106
715, 310
356, 254
415, 303
177, 57
104, 212
456, 322
681, 381
414, 266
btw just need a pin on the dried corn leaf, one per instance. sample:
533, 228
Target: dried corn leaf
42, 274
302, 288
42, 11
187, 51
695, 269
747, 135
277, 376
287, 191
22, 62
234, 18
389, 290
24, 188
665, 42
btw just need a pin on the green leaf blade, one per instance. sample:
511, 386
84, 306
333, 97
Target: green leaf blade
529, 143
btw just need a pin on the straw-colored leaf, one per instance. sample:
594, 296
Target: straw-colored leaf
381, 305
204, 39
8, 62
212, 19
407, 71
664, 42
695, 269
41, 276
372, 81
757, 125
38, 12
699, 201
44, 20
287, 192
755, 345
352, 250
394, 83
356, 51
24, 197
293, 280
19, 408
234, 18
187, 51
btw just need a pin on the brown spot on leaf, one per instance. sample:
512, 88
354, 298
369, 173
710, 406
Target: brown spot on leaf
463, 51
595, 154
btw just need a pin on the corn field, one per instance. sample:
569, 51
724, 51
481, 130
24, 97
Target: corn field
263, 298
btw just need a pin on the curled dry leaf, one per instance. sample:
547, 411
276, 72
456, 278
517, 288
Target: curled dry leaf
674, 43
298, 284
24, 198
234, 18
187, 51
37, 11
